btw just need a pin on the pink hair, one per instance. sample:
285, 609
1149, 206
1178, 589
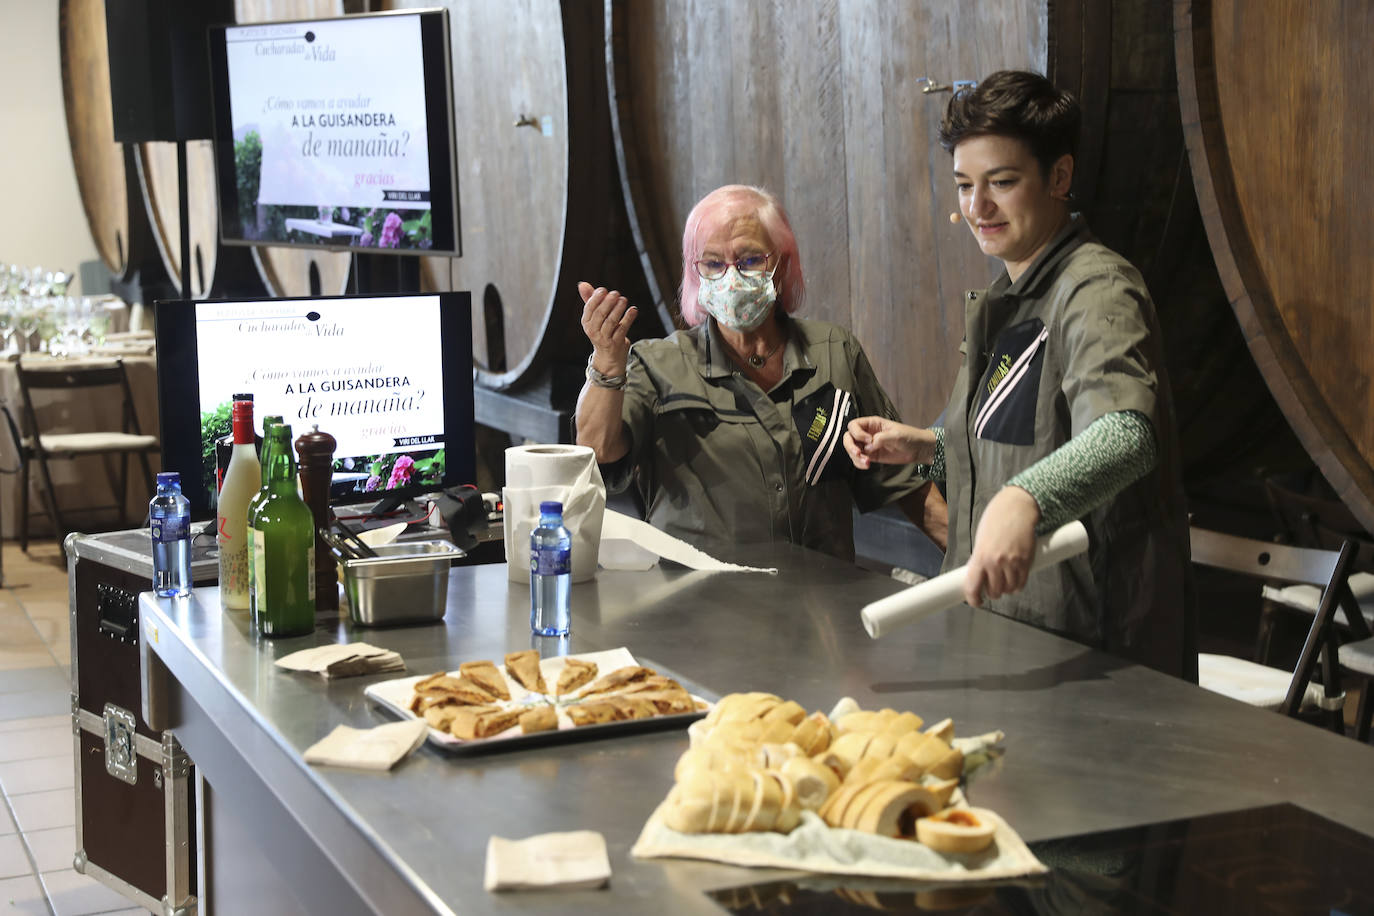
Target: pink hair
715, 207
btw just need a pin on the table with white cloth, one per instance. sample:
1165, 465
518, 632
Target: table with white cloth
82, 481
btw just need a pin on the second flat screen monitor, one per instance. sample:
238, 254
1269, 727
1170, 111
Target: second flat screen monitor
337, 133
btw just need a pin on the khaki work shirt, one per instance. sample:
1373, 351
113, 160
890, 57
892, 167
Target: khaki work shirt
715, 457
1074, 338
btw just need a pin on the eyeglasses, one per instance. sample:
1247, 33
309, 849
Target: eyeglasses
751, 265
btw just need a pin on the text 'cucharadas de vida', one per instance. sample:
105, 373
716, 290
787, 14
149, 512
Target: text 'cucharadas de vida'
295, 326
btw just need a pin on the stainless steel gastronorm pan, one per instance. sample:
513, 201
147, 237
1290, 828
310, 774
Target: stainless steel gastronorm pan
405, 583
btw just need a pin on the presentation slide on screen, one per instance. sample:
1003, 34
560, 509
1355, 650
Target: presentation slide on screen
351, 366
330, 141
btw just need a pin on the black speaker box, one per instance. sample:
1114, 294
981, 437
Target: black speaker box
159, 67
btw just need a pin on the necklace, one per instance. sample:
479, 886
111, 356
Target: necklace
758, 362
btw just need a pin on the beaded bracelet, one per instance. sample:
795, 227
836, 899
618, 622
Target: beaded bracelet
601, 380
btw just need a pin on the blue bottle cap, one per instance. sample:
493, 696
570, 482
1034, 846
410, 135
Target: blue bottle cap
551, 508
166, 477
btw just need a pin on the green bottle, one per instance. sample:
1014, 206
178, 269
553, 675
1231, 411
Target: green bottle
265, 452
283, 547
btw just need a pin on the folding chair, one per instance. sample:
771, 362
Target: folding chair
40, 436
1274, 688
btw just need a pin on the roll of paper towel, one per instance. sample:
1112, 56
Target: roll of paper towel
568, 474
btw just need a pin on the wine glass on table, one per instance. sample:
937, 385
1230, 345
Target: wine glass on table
25, 323
9, 310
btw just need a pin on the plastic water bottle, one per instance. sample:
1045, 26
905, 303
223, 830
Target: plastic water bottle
169, 516
550, 572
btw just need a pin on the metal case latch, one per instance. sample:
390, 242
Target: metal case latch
121, 759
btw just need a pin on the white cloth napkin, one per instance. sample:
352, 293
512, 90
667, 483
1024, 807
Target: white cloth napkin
564, 861
343, 660
818, 848
634, 544
367, 748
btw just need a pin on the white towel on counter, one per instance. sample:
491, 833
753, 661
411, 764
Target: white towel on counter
367, 748
549, 861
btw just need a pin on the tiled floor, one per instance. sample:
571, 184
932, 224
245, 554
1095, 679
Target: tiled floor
37, 801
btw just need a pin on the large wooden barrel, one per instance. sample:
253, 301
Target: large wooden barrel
823, 103
158, 182
105, 171
537, 191
298, 271
1275, 111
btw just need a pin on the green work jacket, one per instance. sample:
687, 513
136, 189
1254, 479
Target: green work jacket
1074, 338
715, 457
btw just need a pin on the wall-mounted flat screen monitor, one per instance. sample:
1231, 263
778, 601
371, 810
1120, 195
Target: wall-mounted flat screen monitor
389, 377
337, 133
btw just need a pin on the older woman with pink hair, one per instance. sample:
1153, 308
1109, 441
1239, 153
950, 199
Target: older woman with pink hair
731, 429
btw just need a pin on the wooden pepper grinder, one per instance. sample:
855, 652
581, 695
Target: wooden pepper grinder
316, 452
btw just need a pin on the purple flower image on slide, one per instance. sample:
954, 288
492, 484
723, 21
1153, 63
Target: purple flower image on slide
391, 231
401, 471
373, 483
365, 240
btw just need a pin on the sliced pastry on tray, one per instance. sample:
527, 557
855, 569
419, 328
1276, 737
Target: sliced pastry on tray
524, 667
575, 673
487, 676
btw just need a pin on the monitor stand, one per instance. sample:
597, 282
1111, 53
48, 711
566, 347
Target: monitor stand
385, 505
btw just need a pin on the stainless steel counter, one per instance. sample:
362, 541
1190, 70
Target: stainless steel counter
1092, 742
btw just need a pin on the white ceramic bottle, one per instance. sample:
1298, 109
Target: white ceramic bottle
242, 479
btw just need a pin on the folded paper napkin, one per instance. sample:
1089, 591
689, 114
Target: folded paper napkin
562, 861
343, 660
367, 748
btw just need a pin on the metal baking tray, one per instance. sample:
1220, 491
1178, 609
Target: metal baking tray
394, 696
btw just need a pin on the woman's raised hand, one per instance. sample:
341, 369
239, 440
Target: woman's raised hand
606, 320
878, 439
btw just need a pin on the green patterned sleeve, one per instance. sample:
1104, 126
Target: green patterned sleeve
936, 469
1113, 452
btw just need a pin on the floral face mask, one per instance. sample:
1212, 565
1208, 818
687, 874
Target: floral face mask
738, 302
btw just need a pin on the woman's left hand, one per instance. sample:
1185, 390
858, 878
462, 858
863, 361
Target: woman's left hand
1003, 546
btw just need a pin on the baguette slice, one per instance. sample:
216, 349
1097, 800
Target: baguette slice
956, 830
846, 814
742, 805
486, 675
811, 782
687, 812
949, 766
893, 809
767, 800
